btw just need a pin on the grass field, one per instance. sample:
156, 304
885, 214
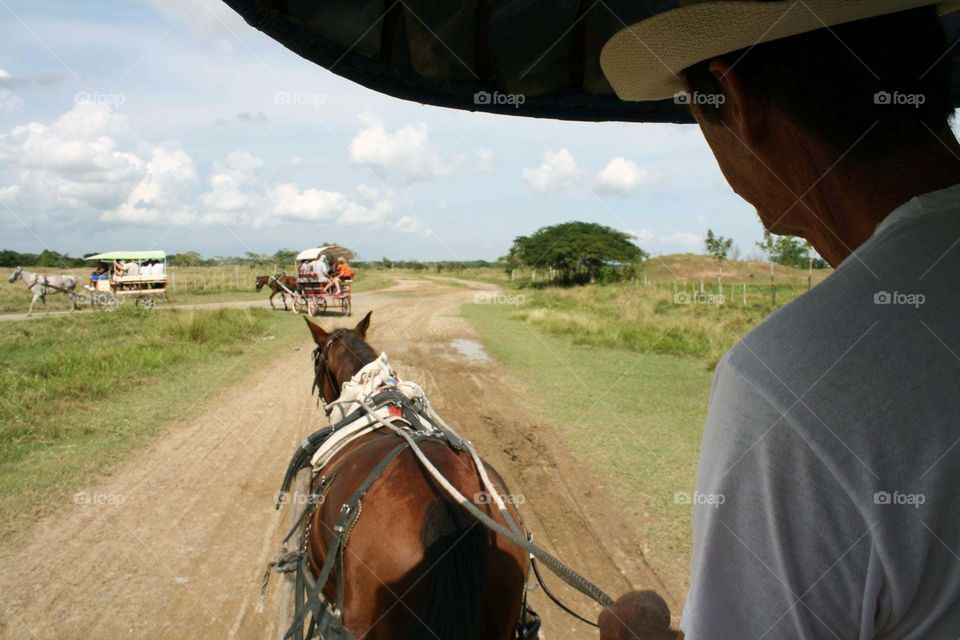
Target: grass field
79, 393
635, 420
647, 319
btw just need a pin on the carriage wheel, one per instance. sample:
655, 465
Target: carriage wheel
320, 306
298, 304
147, 302
104, 300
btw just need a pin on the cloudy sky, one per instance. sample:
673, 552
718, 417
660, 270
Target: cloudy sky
172, 124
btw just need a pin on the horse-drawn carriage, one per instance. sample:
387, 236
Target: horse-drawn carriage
141, 275
315, 291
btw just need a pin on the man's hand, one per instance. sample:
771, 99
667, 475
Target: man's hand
640, 615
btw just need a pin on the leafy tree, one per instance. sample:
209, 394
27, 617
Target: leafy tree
575, 249
718, 247
10, 258
185, 259
789, 251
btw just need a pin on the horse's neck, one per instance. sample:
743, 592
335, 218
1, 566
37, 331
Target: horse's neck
34, 278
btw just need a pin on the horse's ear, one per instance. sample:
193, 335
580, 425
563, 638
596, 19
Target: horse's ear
319, 335
364, 324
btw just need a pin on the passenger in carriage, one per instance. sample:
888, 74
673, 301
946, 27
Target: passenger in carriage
322, 269
342, 274
100, 273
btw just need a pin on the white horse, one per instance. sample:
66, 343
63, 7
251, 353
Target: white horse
40, 285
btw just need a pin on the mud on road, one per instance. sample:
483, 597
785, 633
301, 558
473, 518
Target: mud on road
174, 542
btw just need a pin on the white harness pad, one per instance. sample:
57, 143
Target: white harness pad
374, 377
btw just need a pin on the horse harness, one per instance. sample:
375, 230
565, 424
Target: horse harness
45, 284
325, 617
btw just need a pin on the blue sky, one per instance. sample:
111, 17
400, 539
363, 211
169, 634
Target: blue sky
171, 124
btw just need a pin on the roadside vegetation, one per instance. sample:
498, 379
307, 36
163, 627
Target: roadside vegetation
633, 421
77, 394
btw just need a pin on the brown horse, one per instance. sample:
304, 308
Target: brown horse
416, 565
273, 282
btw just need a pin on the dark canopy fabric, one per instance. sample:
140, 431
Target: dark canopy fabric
534, 58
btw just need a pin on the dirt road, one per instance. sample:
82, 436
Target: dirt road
173, 543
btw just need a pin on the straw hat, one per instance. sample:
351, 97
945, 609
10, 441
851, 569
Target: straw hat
645, 60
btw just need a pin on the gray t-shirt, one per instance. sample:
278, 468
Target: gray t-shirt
828, 492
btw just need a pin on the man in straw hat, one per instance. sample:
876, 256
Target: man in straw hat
828, 492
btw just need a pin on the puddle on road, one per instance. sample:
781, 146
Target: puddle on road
470, 349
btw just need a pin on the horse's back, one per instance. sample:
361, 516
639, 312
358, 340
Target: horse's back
411, 543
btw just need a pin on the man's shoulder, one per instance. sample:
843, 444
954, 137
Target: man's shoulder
874, 305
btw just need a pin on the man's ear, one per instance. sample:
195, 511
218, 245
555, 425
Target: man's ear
364, 324
738, 109
319, 335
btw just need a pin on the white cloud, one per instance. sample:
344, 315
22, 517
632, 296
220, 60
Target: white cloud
74, 168
622, 177
215, 21
682, 240
407, 224
556, 173
165, 194
319, 205
407, 153
9, 101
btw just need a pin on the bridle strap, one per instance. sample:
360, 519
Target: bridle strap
320, 357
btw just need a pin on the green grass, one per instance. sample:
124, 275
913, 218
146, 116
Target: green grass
635, 420
78, 394
649, 320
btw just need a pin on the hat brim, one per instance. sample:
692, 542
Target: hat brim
645, 61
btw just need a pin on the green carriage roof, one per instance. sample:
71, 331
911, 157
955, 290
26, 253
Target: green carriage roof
129, 255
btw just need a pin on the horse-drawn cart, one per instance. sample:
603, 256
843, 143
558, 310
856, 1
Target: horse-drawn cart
315, 291
141, 275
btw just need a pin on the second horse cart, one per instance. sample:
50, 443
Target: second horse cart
316, 293
123, 275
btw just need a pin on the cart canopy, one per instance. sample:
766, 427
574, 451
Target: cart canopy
537, 58
129, 255
332, 251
